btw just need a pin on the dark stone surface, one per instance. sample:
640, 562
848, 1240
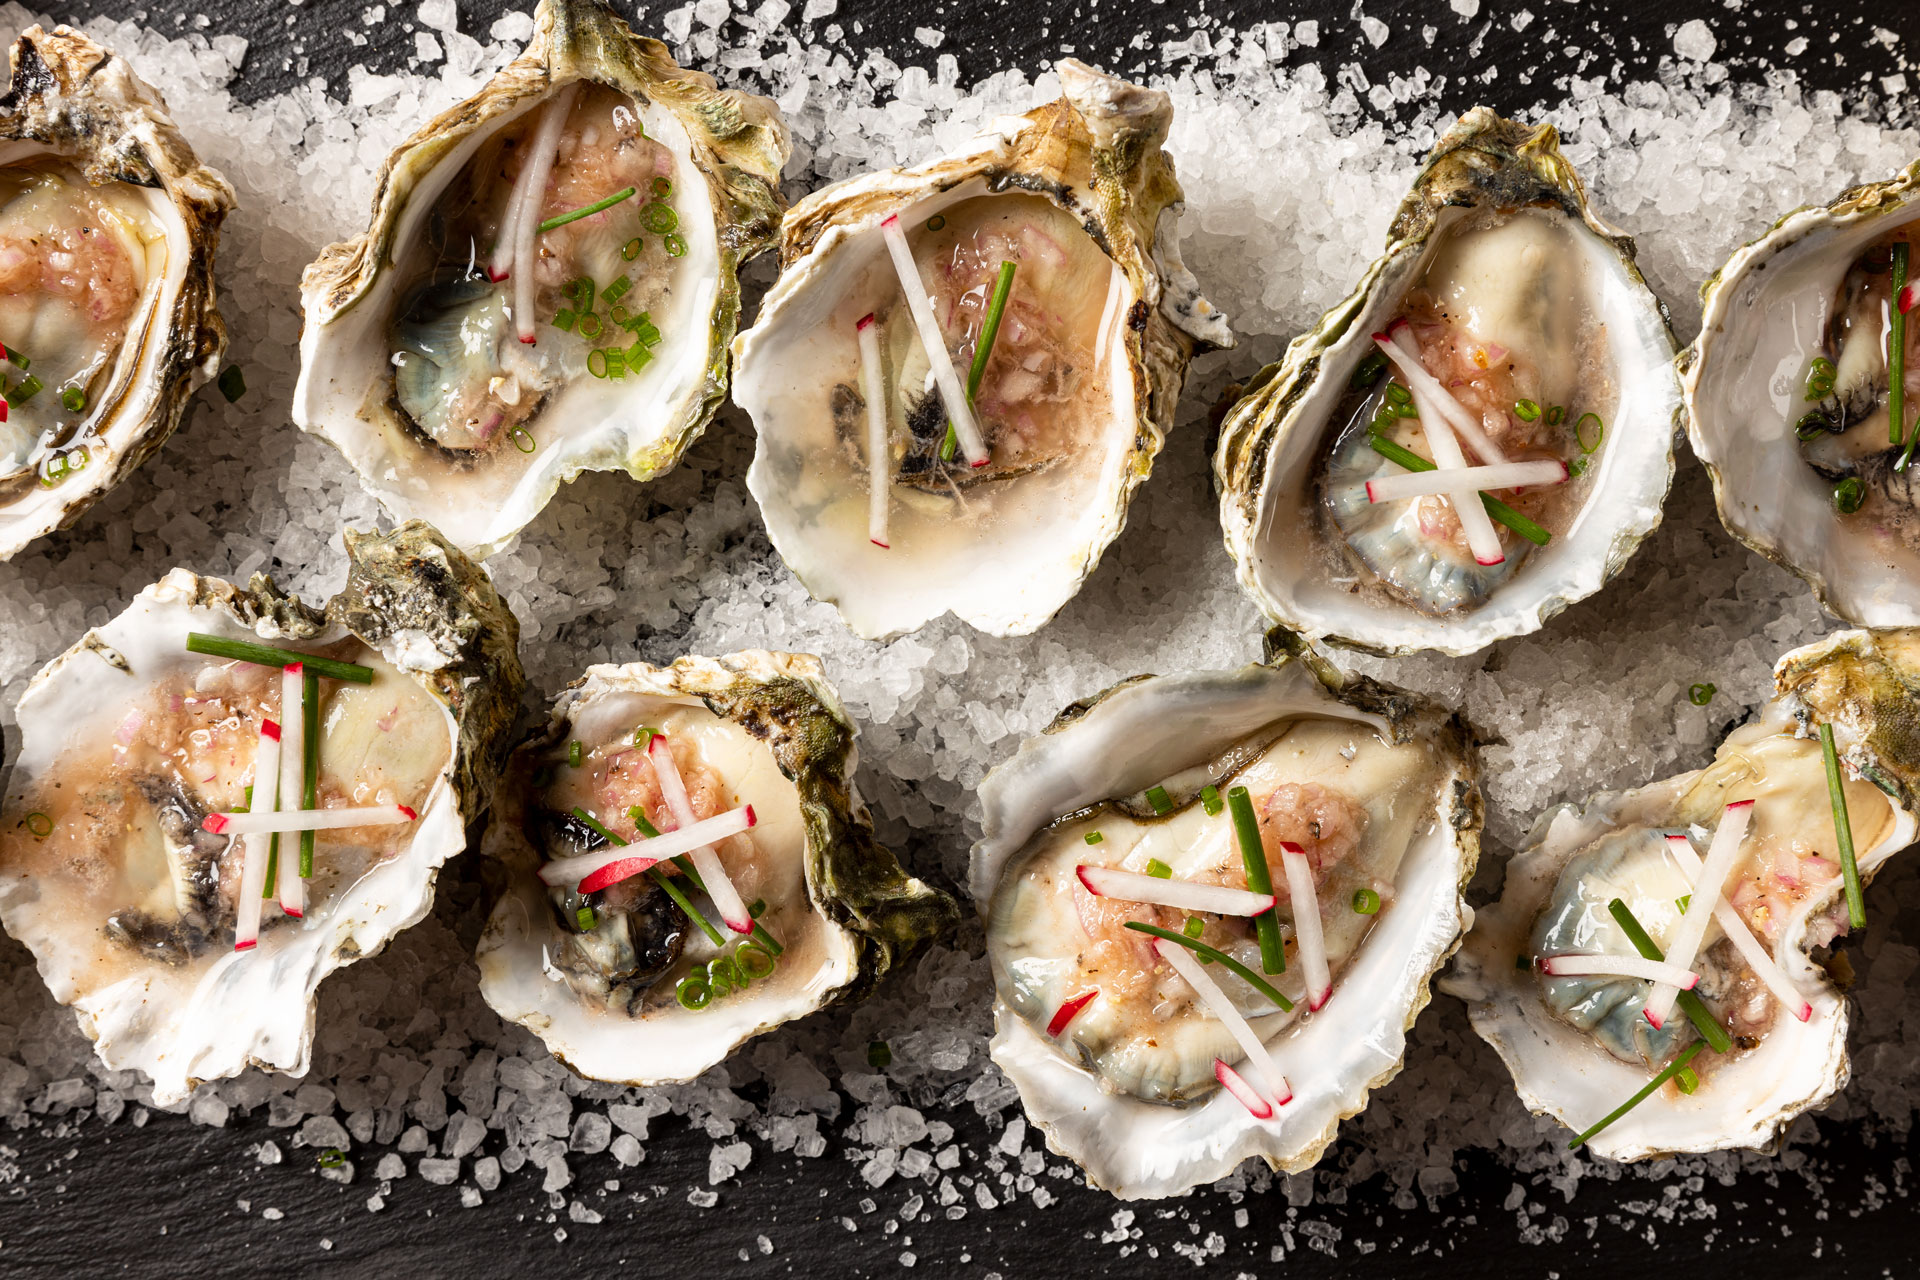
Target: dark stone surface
163, 1199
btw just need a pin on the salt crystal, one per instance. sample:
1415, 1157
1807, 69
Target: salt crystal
439, 1171
390, 1168
1694, 40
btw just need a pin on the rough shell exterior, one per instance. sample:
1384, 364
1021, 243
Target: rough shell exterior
71, 96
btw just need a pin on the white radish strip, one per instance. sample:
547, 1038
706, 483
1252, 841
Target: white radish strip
293, 767
253, 871
1236, 1084
1405, 355
1501, 475
545, 144
726, 898
873, 385
1183, 895
1306, 924
952, 395
1744, 942
666, 845
1482, 540
1687, 935
270, 823
1278, 1091
1571, 966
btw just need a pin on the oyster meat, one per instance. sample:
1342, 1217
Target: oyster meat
1506, 324
549, 283
1790, 399
108, 226
645, 974
1580, 1046
1119, 1056
1039, 266
132, 746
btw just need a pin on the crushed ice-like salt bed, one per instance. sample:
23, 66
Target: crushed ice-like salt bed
1690, 163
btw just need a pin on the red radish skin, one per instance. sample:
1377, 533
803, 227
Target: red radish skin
1236, 1084
1067, 1012
614, 872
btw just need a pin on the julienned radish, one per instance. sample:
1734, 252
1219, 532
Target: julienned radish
1182, 895
645, 853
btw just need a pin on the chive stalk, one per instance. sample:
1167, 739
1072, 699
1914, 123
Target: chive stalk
1672, 1069
989, 330
660, 878
1692, 1005
1253, 854
562, 219
1843, 830
1158, 798
1220, 957
268, 656
1499, 510
1897, 355
310, 783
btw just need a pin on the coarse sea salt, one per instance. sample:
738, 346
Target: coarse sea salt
1293, 168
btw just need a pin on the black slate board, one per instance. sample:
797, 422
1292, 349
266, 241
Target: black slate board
163, 1199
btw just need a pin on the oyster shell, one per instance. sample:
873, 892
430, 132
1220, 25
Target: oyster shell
1379, 788
128, 742
1074, 402
409, 358
98, 359
1810, 289
1579, 1047
1529, 310
624, 983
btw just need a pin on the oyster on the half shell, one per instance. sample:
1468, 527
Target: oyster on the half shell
1580, 1046
549, 283
1126, 1066
130, 744
871, 499
656, 972
1521, 333
108, 226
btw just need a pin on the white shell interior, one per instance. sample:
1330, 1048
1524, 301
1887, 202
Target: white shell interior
589, 424
1007, 578
1292, 565
1333, 1059
224, 1012
1746, 390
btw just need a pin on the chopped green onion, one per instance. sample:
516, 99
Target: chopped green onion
659, 219
1701, 694
588, 326
636, 357
601, 371
1368, 371
1820, 378
631, 249
1157, 797
1253, 855
233, 383
268, 656
40, 825
585, 918
1851, 493
661, 188
30, 386
575, 753
332, 1158
1210, 800
1094, 837
561, 220
693, 993
936, 222
1194, 927
1813, 423
1206, 952
563, 320
1578, 467
1556, 414
523, 439
616, 362
73, 400
1158, 869
1500, 511
1686, 1081
1673, 1069
1694, 1007
310, 760
581, 289
15, 357
616, 291
1682, 901
1398, 395
640, 823
879, 1055
1580, 431
1526, 411
643, 737
1897, 355
675, 246
1366, 902
982, 350
1843, 831
620, 315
